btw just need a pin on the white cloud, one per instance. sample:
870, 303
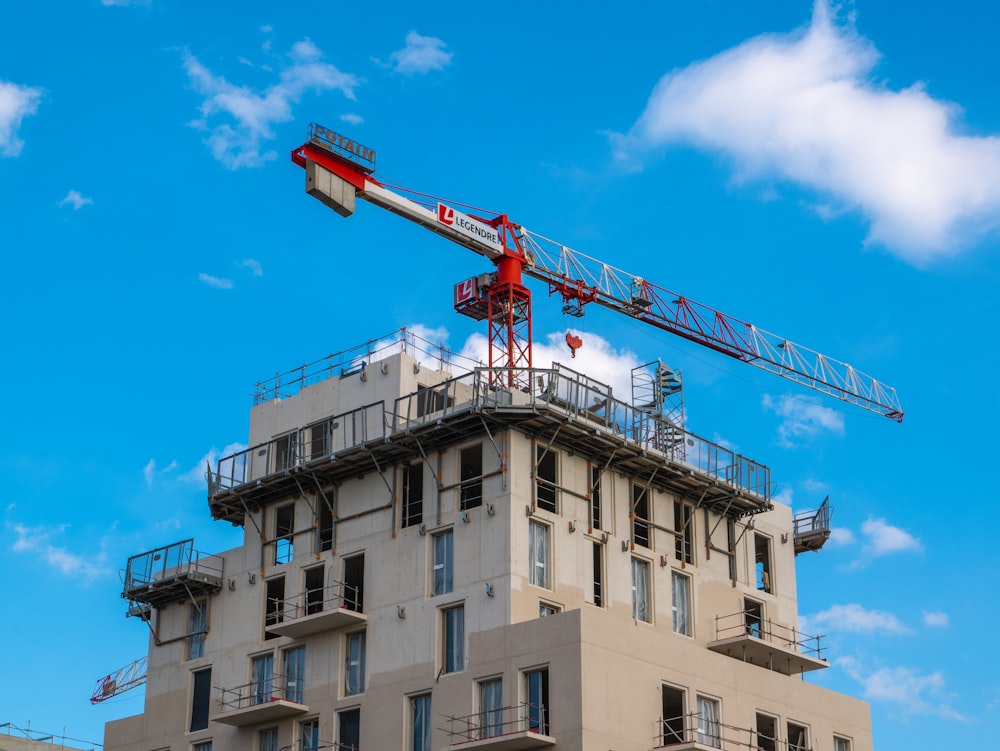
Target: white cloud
805, 107
149, 472
217, 282
239, 119
420, 55
197, 473
856, 619
37, 540
76, 200
841, 536
252, 264
125, 3
803, 418
785, 496
16, 103
352, 118
935, 619
883, 538
915, 693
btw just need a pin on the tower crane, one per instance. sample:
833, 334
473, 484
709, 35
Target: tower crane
339, 170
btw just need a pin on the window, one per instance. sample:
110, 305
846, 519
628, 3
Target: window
595, 497
319, 439
753, 617
200, 697
202, 746
841, 744
420, 722
538, 543
325, 521
491, 708
708, 722
731, 546
471, 476
354, 669
274, 604
262, 678
641, 610
598, 559
546, 479
197, 628
762, 562
683, 532
295, 674
681, 591
314, 589
547, 608
454, 639
640, 515
536, 689
354, 583
284, 534
349, 735
767, 732
442, 575
429, 400
798, 737
267, 739
309, 734
284, 451
673, 716
413, 494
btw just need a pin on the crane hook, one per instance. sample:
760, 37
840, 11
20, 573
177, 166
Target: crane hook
574, 343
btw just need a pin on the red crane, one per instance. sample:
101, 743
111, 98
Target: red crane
338, 170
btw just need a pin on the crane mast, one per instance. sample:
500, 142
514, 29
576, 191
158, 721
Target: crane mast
339, 170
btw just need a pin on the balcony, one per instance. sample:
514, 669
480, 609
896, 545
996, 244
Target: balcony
812, 528
517, 728
315, 610
170, 574
692, 732
748, 637
260, 701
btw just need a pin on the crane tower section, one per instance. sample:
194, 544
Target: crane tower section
339, 170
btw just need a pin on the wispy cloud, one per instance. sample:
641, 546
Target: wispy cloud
16, 103
806, 108
420, 55
841, 536
913, 692
38, 541
126, 3
76, 200
352, 118
802, 418
215, 281
935, 619
149, 472
239, 120
883, 539
196, 474
253, 265
855, 618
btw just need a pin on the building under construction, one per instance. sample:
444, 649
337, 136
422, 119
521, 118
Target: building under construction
441, 555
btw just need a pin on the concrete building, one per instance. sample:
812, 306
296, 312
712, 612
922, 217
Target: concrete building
434, 561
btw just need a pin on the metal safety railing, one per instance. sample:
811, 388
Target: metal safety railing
260, 691
335, 596
751, 623
710, 732
170, 562
495, 722
813, 522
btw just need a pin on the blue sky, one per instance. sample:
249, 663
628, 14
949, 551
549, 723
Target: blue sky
827, 174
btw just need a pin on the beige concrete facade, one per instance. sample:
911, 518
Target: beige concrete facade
526, 598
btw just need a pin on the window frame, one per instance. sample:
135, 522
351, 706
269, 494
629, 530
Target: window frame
641, 515
535, 682
709, 730
197, 629
201, 699
470, 477
261, 679
687, 627
264, 744
547, 484
594, 502
355, 664
412, 506
423, 741
539, 561
443, 559
490, 702
293, 673
341, 714
284, 536
304, 726
597, 568
763, 563
684, 532
273, 613
642, 601
453, 638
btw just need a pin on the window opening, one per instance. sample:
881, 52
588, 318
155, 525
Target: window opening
262, 672
309, 731
314, 589
197, 627
267, 740
681, 590
429, 400
420, 722
595, 497
767, 732
200, 697
413, 494
731, 547
762, 562
753, 615
284, 452
202, 746
673, 716
798, 737
325, 523
354, 670
471, 476
545, 609
442, 579
841, 744
284, 533
354, 583
640, 515
598, 559
295, 674
708, 722
640, 591
538, 541
683, 532
491, 708
349, 735
537, 690
319, 439
546, 479
454, 639
274, 604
